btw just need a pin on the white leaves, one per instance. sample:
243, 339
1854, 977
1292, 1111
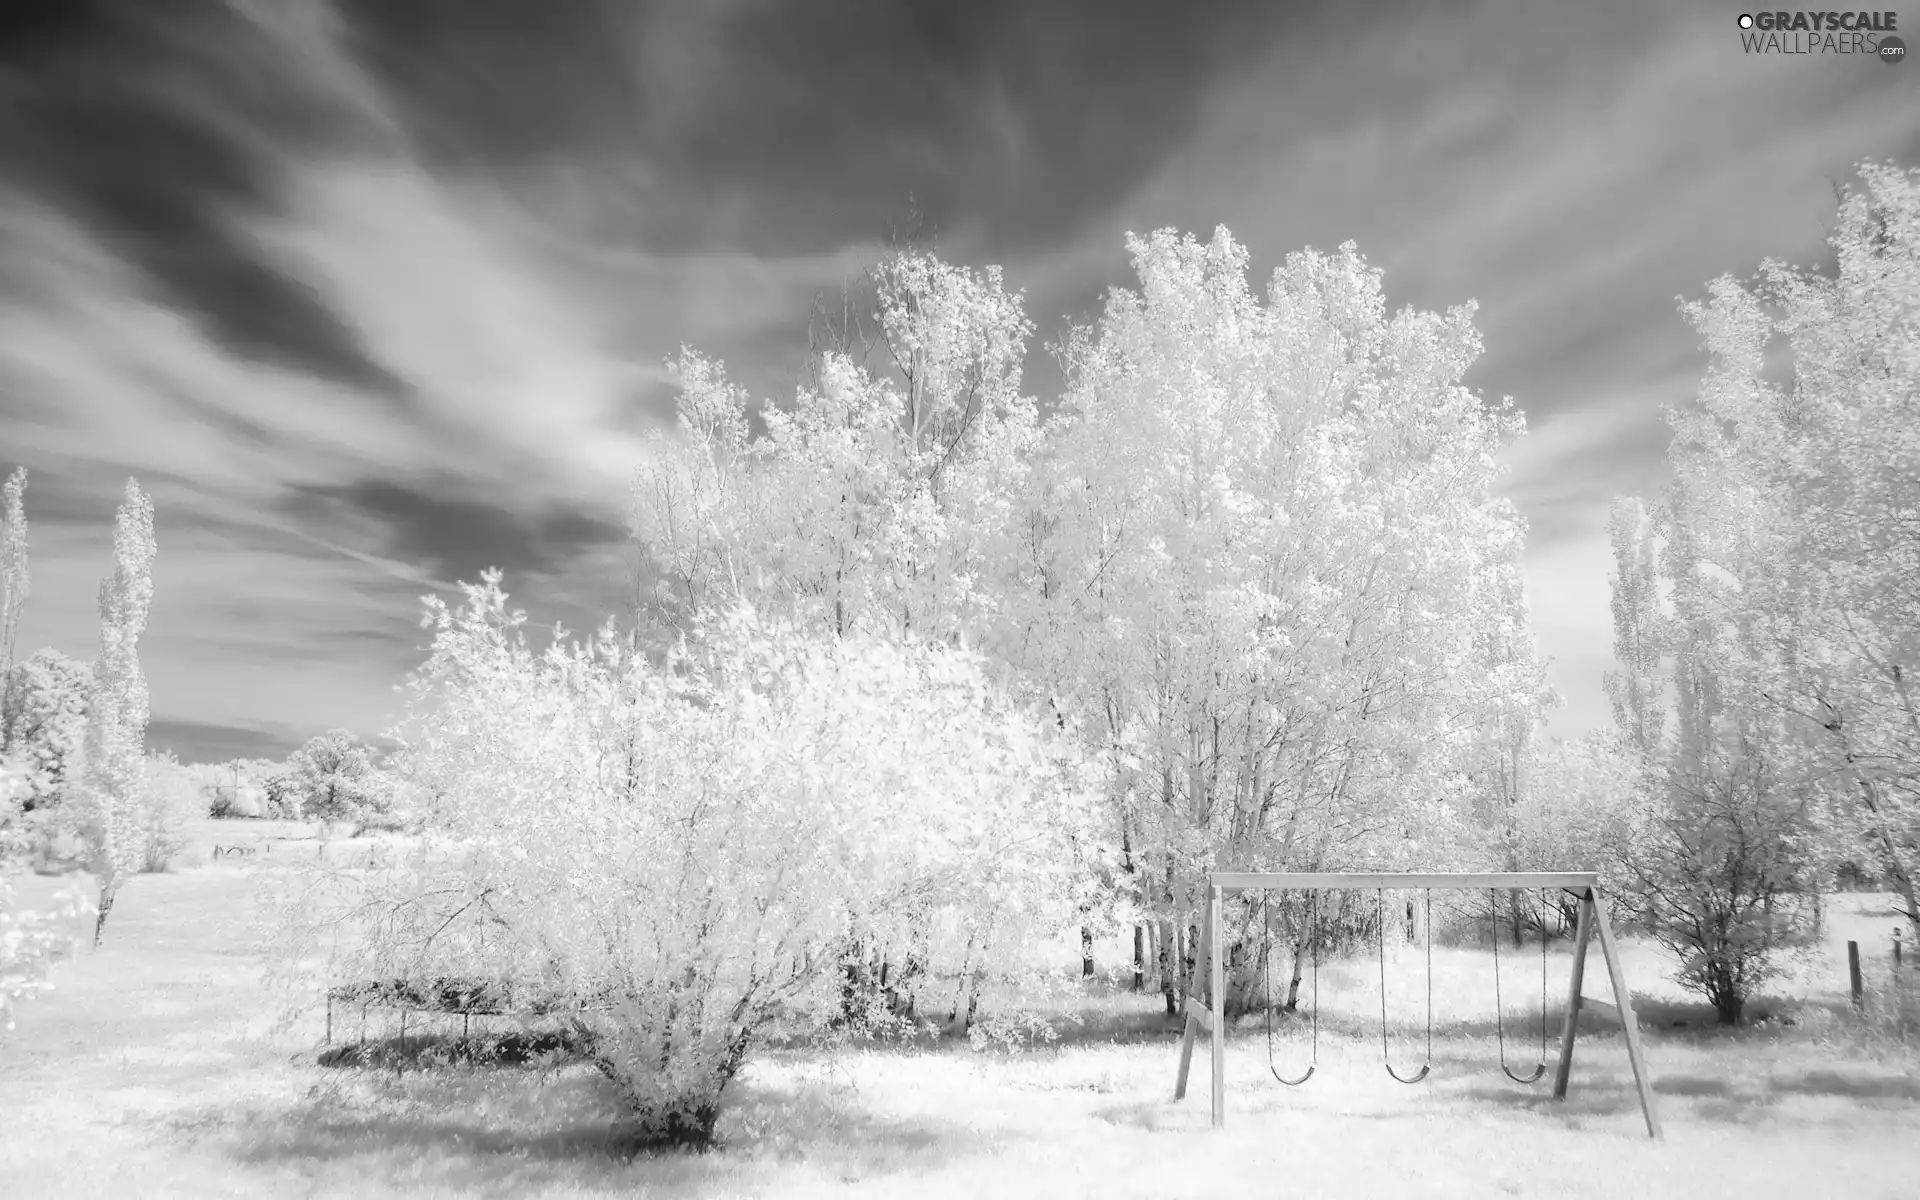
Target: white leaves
832, 778
110, 796
1788, 537
1283, 540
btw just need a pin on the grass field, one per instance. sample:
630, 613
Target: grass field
151, 1071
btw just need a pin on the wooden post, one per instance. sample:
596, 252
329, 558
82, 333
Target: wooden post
1896, 949
1186, 1058
1854, 989
1217, 984
1195, 1020
1583, 929
1624, 1000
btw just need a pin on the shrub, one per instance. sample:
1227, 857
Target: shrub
30, 943
234, 794
281, 798
173, 796
1724, 872
682, 852
43, 713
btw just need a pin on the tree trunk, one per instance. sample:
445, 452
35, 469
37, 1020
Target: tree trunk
1139, 957
1895, 863
1727, 1006
1897, 872
1568, 912
915, 967
1086, 952
856, 982
1293, 984
975, 978
1168, 962
109, 889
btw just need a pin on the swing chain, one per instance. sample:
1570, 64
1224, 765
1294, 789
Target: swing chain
1380, 919
1266, 967
1499, 1024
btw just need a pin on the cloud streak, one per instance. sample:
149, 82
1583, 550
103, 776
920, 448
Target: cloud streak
372, 295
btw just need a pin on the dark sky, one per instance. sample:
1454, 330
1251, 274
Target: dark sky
373, 295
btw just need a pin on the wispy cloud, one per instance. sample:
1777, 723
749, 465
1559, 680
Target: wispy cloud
1574, 169
372, 295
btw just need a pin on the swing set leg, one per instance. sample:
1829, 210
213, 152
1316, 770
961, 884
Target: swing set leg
1209, 1015
1593, 914
1563, 1072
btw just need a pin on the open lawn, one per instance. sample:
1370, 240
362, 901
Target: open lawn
151, 1071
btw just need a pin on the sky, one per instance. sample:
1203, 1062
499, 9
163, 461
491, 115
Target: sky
373, 294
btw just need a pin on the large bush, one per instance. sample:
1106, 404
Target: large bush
43, 720
174, 795
1725, 866
30, 942
678, 854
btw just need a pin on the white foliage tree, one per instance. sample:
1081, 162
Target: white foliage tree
332, 778
1273, 579
884, 504
671, 856
1797, 530
15, 582
112, 816
874, 502
46, 709
1789, 559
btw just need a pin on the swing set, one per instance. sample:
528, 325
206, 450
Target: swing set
1207, 1011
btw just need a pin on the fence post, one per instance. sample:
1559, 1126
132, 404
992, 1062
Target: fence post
1853, 972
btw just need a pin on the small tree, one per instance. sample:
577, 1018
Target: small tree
14, 584
173, 796
112, 819
331, 779
280, 795
1724, 867
1574, 810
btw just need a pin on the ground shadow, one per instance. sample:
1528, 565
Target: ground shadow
1717, 1099
435, 1049
1851, 1086
489, 1131
1602, 1098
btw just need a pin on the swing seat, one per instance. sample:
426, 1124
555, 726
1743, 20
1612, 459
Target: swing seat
1386, 1054
1499, 1023
1290, 1082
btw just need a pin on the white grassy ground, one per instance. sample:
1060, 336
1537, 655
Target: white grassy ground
150, 1072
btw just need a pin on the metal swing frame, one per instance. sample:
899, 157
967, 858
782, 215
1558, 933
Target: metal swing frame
1206, 1010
